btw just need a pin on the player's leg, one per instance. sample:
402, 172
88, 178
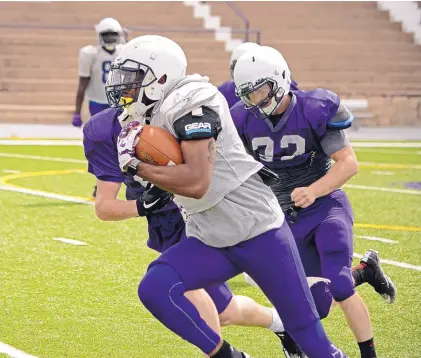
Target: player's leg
272, 260
183, 267
334, 241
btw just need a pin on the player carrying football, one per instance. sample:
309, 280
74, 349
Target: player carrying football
234, 222
296, 134
165, 223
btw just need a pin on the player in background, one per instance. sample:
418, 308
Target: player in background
165, 222
94, 65
228, 87
234, 222
296, 134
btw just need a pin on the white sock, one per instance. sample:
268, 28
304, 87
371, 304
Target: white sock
277, 325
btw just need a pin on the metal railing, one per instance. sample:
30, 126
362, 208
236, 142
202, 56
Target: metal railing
247, 30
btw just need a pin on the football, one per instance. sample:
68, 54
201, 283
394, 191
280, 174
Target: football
157, 146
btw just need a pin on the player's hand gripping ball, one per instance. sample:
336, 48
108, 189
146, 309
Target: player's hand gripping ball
150, 144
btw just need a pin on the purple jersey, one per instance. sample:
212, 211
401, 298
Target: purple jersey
100, 142
228, 90
292, 145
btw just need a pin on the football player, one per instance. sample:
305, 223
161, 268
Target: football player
234, 223
296, 134
165, 222
94, 65
228, 87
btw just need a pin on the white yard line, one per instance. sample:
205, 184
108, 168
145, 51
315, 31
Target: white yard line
43, 194
390, 165
77, 143
384, 151
386, 144
394, 263
13, 352
380, 188
374, 238
11, 171
40, 157
70, 241
382, 172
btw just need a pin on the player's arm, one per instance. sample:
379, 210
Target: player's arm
80, 94
336, 145
197, 132
108, 207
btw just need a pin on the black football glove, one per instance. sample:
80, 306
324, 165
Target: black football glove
153, 199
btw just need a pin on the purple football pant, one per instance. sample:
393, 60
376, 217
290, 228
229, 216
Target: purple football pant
95, 107
271, 259
167, 228
324, 236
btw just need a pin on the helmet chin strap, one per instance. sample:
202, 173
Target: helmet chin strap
136, 111
272, 107
109, 47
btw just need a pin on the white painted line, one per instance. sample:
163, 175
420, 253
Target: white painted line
381, 239
11, 171
70, 241
387, 144
41, 142
39, 157
71, 199
385, 151
13, 352
379, 188
394, 263
390, 165
382, 172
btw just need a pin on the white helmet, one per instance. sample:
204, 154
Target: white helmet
265, 70
109, 32
239, 51
144, 69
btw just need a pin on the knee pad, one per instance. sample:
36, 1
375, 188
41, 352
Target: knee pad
322, 298
160, 280
341, 285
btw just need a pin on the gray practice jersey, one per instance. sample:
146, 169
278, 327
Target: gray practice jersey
238, 205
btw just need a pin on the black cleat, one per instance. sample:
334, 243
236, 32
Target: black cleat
383, 285
291, 349
94, 192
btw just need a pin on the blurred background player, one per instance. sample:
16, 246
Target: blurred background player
94, 65
228, 87
296, 134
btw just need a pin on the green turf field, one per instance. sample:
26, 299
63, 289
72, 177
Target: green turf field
61, 300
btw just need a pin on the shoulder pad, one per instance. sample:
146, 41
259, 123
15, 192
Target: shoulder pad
101, 126
320, 106
342, 119
89, 50
201, 123
239, 113
294, 86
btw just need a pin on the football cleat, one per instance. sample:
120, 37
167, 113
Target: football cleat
291, 349
382, 284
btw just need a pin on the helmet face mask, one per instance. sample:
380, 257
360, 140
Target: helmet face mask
144, 69
262, 79
263, 96
109, 40
125, 81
